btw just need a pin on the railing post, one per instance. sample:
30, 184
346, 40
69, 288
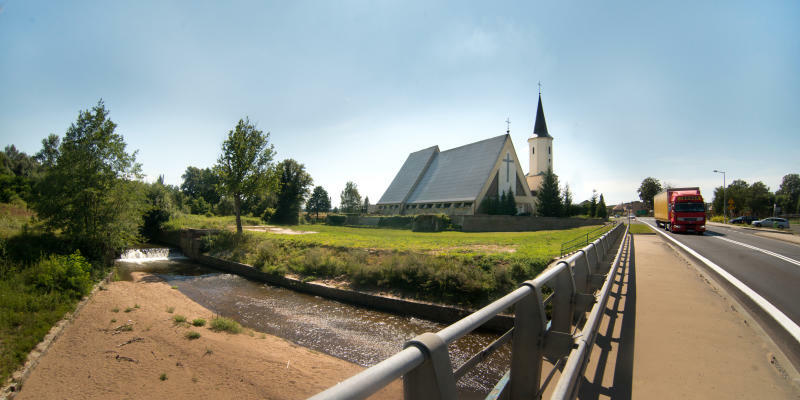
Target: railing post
558, 339
526, 345
433, 380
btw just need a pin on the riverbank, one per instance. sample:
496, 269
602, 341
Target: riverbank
126, 344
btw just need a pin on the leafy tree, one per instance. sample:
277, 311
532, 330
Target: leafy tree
788, 194
365, 207
244, 166
759, 199
48, 155
510, 205
201, 183
350, 198
648, 189
294, 187
90, 193
593, 204
319, 201
159, 208
602, 212
548, 197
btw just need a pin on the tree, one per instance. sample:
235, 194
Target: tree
788, 194
159, 208
566, 201
648, 189
244, 167
593, 204
201, 184
350, 199
295, 183
602, 212
759, 199
548, 197
48, 155
510, 205
319, 201
90, 193
365, 207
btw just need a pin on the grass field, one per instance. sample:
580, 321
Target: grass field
459, 268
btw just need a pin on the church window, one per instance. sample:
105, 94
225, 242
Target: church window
446, 205
467, 204
548, 150
533, 150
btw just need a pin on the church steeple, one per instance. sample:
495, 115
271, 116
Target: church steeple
540, 126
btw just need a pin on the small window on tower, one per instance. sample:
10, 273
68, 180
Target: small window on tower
533, 150
548, 149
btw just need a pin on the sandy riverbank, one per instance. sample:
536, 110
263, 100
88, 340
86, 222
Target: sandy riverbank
93, 360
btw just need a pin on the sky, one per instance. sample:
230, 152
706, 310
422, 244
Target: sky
349, 88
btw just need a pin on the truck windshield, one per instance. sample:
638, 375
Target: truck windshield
690, 207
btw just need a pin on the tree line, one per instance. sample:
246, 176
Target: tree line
88, 187
552, 201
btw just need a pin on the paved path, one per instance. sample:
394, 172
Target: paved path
669, 333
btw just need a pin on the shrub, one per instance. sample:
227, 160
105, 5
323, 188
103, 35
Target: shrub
222, 324
67, 274
191, 335
269, 212
198, 322
335, 219
718, 218
179, 319
430, 223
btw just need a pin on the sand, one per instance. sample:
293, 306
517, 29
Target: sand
93, 360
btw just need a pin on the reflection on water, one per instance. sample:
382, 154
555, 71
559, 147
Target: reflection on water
355, 334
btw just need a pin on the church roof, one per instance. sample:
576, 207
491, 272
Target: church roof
457, 174
540, 126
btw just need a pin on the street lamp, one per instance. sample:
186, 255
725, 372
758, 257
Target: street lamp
724, 204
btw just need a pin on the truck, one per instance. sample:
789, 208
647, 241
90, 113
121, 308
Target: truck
680, 210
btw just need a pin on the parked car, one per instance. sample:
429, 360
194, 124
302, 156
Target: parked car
772, 222
744, 219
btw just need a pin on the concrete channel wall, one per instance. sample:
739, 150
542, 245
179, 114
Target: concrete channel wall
189, 242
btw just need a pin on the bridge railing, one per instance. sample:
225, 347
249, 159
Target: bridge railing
424, 363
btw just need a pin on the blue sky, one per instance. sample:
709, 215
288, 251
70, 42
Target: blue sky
349, 88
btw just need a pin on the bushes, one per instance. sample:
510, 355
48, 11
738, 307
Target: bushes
335, 219
66, 274
430, 223
397, 221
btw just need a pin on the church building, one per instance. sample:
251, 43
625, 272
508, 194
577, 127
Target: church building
456, 181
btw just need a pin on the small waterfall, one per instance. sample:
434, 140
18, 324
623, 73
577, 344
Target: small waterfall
152, 253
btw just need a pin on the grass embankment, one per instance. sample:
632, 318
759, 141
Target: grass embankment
461, 268
181, 220
36, 289
640, 229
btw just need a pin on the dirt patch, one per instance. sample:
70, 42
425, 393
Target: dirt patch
275, 229
484, 248
143, 353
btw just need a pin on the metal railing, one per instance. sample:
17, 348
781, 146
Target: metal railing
424, 363
583, 240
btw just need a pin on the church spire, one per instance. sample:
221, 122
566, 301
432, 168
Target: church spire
540, 126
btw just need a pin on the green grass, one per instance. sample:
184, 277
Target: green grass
640, 229
179, 319
203, 222
198, 322
170, 310
163, 376
191, 335
222, 324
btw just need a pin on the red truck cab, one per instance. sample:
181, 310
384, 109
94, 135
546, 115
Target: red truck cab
680, 210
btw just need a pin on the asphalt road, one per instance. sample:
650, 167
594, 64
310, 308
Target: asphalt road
768, 266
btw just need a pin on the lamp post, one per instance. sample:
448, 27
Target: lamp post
724, 204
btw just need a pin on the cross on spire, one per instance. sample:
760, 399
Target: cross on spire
508, 126
540, 87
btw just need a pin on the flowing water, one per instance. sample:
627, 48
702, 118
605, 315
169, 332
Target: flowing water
355, 334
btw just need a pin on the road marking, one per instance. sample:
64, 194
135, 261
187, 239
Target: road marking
782, 257
765, 305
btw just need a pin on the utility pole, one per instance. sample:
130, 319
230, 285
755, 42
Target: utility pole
724, 204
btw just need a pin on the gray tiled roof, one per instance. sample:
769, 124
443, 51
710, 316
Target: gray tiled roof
457, 174
409, 174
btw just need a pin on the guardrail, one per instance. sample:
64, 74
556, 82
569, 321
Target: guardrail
424, 363
584, 240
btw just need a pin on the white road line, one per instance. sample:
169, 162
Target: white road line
782, 257
765, 305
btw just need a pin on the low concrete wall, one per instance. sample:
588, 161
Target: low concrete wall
190, 244
508, 223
